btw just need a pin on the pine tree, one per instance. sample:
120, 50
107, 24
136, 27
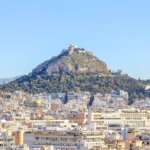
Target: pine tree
66, 98
91, 100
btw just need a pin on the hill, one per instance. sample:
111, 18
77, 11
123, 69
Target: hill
76, 69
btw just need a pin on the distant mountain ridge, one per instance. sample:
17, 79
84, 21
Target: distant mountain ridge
76, 69
7, 80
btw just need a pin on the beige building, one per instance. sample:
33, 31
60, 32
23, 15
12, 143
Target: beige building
131, 118
65, 140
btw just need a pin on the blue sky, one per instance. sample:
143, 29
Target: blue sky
118, 32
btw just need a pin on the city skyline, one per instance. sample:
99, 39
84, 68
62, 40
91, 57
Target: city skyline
117, 32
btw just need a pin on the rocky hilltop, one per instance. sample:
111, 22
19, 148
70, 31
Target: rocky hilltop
73, 59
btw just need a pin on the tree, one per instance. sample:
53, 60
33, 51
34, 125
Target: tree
91, 100
66, 98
